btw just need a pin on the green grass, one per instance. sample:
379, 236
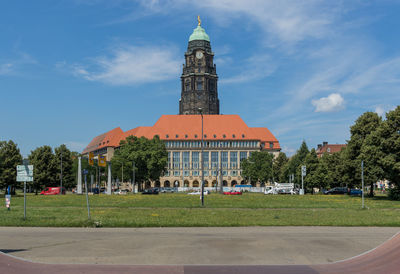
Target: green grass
250, 209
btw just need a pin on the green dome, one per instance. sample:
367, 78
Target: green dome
199, 34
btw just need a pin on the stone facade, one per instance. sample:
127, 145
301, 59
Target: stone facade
199, 80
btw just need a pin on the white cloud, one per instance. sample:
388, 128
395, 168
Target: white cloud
6, 68
380, 110
333, 102
14, 65
132, 65
287, 21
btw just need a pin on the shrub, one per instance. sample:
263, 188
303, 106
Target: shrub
394, 193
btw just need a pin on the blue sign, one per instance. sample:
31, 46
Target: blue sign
85, 171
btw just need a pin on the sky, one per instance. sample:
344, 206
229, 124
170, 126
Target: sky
73, 69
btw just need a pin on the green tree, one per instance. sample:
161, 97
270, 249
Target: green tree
44, 169
364, 125
10, 157
311, 163
258, 166
295, 163
67, 163
279, 167
390, 135
149, 155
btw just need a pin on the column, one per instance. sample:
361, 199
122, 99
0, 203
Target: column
79, 187
109, 179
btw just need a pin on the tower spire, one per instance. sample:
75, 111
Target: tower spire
198, 20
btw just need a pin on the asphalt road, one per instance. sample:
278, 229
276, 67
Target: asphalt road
192, 246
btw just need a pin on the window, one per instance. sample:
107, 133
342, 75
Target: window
224, 136
186, 173
205, 172
177, 173
224, 173
214, 159
176, 157
195, 173
206, 159
271, 145
243, 155
185, 156
233, 159
199, 85
195, 136
233, 136
166, 136
186, 135
195, 160
328, 149
169, 160
224, 159
234, 173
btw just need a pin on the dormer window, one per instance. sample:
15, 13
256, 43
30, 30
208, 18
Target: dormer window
233, 136
167, 136
195, 136
176, 136
271, 145
243, 136
224, 136
186, 135
215, 136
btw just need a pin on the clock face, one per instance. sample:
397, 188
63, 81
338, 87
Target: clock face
199, 55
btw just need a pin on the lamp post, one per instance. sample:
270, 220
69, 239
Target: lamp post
202, 159
61, 173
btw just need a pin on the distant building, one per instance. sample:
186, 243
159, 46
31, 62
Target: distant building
328, 148
227, 138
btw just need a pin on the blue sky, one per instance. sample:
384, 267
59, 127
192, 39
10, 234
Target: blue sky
71, 70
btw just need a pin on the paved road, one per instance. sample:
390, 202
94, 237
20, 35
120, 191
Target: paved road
192, 246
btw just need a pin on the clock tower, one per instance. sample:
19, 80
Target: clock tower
199, 77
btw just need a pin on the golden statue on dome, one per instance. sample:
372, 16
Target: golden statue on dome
198, 19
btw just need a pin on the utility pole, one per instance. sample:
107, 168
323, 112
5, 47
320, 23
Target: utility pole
133, 176
202, 158
362, 183
61, 173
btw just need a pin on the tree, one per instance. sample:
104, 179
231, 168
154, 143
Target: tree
364, 125
67, 163
390, 145
295, 163
258, 166
10, 157
149, 155
311, 163
44, 173
279, 167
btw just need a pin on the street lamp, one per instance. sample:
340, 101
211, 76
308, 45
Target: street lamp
202, 158
61, 175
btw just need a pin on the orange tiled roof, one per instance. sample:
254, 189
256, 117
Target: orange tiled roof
110, 138
333, 148
188, 127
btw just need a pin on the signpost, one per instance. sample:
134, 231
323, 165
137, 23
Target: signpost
24, 174
85, 172
303, 173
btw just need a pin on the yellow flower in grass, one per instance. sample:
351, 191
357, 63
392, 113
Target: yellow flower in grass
154, 214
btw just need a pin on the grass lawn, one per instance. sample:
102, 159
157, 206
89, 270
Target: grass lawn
250, 209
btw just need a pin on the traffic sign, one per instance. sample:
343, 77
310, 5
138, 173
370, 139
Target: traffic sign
91, 157
303, 171
85, 171
102, 160
25, 173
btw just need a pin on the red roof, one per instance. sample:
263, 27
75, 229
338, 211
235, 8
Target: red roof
188, 127
328, 148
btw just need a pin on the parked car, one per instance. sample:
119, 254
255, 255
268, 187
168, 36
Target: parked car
167, 190
150, 191
96, 190
52, 191
232, 192
120, 192
355, 192
336, 190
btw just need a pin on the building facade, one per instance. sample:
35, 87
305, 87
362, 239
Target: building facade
326, 148
227, 138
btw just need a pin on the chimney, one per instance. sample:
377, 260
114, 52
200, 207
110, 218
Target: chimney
324, 143
319, 146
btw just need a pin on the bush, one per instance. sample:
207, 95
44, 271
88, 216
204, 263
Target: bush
394, 193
